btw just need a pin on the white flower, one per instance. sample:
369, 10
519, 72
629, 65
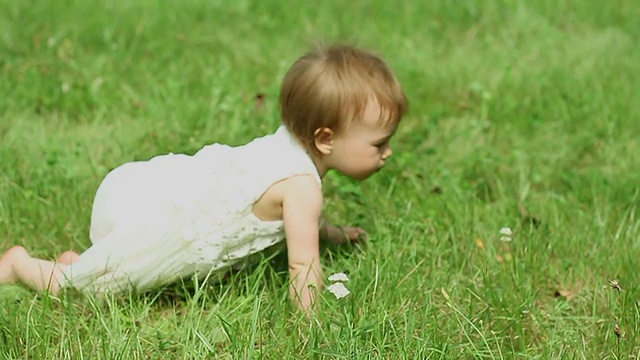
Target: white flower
339, 277
506, 231
505, 238
339, 290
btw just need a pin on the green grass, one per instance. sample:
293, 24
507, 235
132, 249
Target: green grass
523, 114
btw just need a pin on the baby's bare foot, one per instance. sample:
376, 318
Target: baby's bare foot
68, 257
7, 275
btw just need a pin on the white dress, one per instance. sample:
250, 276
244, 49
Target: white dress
174, 215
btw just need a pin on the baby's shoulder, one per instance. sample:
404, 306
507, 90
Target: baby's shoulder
301, 197
302, 186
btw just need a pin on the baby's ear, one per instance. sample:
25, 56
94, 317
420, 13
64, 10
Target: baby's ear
323, 140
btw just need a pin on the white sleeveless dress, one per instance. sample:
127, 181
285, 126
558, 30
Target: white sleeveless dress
174, 215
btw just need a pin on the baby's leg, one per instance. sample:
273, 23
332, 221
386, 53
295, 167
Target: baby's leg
18, 266
68, 257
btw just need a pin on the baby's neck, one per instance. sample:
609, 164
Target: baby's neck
321, 167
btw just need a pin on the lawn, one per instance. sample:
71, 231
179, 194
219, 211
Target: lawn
523, 114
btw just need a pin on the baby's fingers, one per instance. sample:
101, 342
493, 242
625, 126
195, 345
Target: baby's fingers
355, 234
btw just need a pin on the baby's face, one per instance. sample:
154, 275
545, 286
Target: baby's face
363, 147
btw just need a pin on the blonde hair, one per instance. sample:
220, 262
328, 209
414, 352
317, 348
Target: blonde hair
330, 87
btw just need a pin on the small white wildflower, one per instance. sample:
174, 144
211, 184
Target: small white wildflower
339, 290
339, 277
65, 87
505, 238
506, 231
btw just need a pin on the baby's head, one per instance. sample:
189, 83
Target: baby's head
331, 87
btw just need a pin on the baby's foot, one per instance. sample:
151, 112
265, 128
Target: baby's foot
7, 275
68, 257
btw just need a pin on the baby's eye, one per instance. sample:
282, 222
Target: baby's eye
382, 144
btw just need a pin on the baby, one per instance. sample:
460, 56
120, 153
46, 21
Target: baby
175, 216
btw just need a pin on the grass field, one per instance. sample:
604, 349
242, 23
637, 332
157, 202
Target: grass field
523, 114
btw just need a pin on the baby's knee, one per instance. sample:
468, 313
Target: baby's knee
68, 257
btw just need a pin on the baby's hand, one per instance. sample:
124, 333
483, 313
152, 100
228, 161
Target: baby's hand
354, 234
342, 235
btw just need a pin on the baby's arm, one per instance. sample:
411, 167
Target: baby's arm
301, 210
